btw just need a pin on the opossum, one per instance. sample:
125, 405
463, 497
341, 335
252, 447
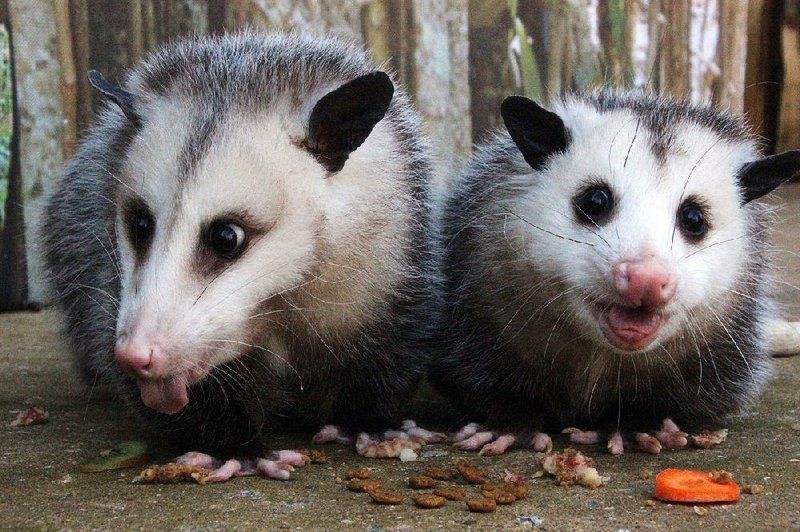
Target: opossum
607, 268
241, 243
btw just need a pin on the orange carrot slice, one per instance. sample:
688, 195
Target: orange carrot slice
680, 485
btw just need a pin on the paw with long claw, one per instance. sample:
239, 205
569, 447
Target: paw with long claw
276, 465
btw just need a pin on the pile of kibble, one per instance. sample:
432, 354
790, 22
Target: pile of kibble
490, 493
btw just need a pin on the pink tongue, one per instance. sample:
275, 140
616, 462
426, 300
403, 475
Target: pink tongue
633, 325
164, 395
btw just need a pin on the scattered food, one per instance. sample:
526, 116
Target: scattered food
382, 496
363, 485
510, 476
450, 493
393, 448
708, 438
421, 482
700, 510
429, 500
31, 416
126, 454
754, 489
650, 503
680, 485
408, 455
645, 474
314, 456
483, 505
572, 467
170, 473
472, 474
361, 474
440, 473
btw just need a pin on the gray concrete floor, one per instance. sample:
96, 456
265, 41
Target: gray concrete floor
41, 486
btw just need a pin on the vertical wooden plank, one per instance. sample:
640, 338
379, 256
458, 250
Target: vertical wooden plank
441, 76
787, 114
13, 264
69, 87
675, 57
41, 115
79, 27
732, 56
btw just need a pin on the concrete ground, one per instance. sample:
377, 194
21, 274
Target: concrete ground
41, 486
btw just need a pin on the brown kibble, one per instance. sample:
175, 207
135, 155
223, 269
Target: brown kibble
472, 474
482, 505
361, 474
363, 485
646, 474
169, 473
505, 497
519, 489
382, 496
650, 503
754, 489
440, 473
421, 482
721, 476
451, 494
314, 456
429, 500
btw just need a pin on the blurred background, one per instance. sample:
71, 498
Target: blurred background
458, 58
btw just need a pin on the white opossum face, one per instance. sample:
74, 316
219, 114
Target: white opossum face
212, 233
647, 234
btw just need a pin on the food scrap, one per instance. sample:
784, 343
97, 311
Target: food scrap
126, 454
680, 485
472, 474
383, 496
428, 501
440, 473
170, 473
708, 438
393, 448
450, 493
572, 467
753, 489
363, 485
362, 474
314, 456
31, 416
421, 482
483, 505
700, 510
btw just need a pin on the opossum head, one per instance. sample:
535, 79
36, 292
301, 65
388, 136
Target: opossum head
220, 210
639, 211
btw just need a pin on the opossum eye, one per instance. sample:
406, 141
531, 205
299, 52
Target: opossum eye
141, 227
594, 204
692, 220
226, 239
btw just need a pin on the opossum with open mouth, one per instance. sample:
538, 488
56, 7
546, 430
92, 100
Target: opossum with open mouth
607, 268
241, 243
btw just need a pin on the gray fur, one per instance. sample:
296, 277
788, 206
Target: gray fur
515, 359
375, 367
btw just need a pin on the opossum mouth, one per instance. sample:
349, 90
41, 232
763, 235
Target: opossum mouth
169, 395
630, 329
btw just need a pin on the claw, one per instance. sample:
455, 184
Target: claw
542, 442
616, 445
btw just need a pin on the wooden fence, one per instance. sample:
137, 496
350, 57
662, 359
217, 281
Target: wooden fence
458, 58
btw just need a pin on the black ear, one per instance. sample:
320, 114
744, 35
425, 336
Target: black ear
537, 132
343, 119
123, 99
765, 175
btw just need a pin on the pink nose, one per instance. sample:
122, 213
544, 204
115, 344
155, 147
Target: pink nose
644, 282
137, 357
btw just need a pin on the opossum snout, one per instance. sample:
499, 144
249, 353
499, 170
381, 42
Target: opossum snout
645, 282
138, 357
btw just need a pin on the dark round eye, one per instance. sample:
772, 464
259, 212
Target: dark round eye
226, 239
142, 227
692, 220
594, 204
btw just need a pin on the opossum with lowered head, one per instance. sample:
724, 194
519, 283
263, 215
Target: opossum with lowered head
607, 268
241, 243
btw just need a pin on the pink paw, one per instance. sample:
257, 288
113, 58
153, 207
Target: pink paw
331, 434
498, 446
277, 465
542, 442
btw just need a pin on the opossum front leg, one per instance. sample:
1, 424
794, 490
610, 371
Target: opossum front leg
669, 437
277, 465
472, 438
